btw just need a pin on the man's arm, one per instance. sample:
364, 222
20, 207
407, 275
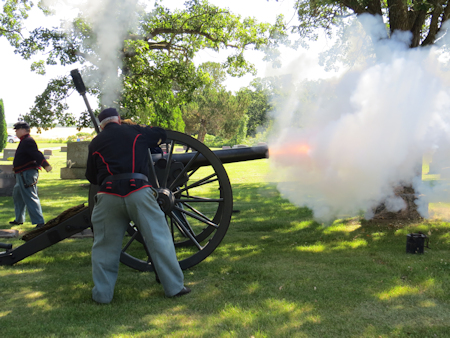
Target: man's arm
34, 153
154, 135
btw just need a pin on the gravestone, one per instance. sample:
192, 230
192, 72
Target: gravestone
8, 153
77, 155
64, 149
48, 152
7, 180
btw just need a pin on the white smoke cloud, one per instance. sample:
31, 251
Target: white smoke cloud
110, 20
366, 132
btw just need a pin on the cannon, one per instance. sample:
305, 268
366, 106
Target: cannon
194, 192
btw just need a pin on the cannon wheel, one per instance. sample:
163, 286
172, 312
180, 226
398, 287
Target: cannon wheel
198, 212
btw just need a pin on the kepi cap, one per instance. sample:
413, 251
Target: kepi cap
21, 125
108, 112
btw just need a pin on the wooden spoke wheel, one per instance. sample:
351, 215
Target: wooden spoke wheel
195, 194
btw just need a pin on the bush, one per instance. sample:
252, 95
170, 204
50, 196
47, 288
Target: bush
3, 128
259, 138
215, 141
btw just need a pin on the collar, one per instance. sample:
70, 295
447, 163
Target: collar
24, 136
111, 123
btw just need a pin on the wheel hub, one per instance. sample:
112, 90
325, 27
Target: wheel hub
166, 200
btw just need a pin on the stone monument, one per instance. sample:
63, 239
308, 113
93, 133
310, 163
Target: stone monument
7, 180
77, 154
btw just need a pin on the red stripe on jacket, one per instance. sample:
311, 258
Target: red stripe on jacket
107, 166
134, 152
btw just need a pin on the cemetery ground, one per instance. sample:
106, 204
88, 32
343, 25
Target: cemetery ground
277, 273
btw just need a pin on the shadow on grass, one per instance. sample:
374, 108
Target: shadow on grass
277, 273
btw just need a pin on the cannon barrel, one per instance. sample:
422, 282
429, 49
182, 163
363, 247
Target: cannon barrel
81, 89
225, 155
242, 154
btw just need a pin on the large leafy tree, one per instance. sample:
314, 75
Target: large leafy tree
423, 18
154, 59
213, 109
11, 20
260, 105
217, 112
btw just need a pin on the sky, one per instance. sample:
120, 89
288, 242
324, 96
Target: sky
19, 85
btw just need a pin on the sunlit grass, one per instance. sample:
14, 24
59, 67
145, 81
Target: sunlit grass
399, 291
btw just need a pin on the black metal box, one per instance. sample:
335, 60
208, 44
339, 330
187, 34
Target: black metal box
415, 243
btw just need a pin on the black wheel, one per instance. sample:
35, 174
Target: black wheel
196, 197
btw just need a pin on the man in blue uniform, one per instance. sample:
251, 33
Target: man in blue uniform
27, 162
118, 162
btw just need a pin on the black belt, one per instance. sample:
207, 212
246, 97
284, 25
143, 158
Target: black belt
127, 176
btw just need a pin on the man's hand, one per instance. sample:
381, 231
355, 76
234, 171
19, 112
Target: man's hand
48, 168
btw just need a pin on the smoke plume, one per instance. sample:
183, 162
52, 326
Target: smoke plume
110, 20
342, 145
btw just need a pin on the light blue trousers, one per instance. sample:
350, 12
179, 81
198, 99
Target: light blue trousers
27, 197
110, 219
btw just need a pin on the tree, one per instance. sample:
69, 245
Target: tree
259, 106
3, 127
216, 112
241, 132
213, 109
235, 124
423, 19
152, 69
11, 20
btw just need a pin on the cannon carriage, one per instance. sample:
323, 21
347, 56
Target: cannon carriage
194, 192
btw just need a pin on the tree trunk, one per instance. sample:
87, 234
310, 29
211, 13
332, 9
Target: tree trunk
417, 20
374, 7
409, 196
202, 131
434, 22
398, 15
409, 213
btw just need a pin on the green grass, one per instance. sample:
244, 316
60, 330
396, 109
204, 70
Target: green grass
277, 273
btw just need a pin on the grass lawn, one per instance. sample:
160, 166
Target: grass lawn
277, 273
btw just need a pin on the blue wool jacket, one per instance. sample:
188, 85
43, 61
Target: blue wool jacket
121, 149
28, 156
